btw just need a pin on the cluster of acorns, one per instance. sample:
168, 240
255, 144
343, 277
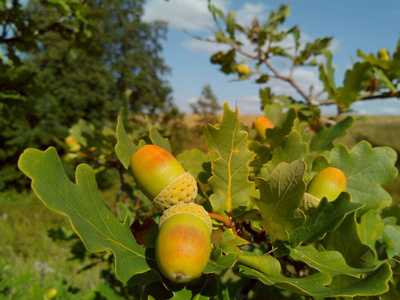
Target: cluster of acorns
183, 242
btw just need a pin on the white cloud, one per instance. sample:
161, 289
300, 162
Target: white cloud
249, 11
192, 15
195, 45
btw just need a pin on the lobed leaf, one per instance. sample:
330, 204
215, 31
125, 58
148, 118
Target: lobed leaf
124, 148
231, 241
354, 82
323, 140
329, 262
156, 138
292, 149
325, 218
280, 198
366, 169
97, 227
317, 285
231, 186
192, 161
346, 240
391, 238
370, 228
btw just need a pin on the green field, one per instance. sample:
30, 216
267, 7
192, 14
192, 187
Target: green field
24, 222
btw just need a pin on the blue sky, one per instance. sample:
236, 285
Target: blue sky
353, 24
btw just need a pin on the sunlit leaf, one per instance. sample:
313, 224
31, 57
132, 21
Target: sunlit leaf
354, 82
230, 184
391, 238
192, 161
156, 138
327, 75
98, 228
231, 241
124, 148
280, 198
292, 149
366, 169
323, 140
370, 228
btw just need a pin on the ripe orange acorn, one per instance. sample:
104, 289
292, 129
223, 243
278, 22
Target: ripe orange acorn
161, 177
329, 183
260, 125
72, 144
183, 242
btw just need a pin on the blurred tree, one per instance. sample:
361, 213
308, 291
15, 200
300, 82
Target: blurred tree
21, 33
205, 110
75, 60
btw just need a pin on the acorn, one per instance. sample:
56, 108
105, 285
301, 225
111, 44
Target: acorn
383, 54
260, 125
72, 144
161, 177
328, 183
243, 70
183, 243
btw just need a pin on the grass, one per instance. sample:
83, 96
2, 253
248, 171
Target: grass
26, 247
24, 220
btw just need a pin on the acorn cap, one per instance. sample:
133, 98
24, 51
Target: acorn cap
309, 203
187, 208
182, 189
153, 169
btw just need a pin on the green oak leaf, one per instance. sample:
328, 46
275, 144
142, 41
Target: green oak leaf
366, 169
219, 263
317, 285
302, 128
325, 218
329, 262
370, 228
327, 75
201, 288
274, 112
231, 241
346, 240
264, 263
280, 198
231, 186
323, 140
292, 149
304, 285
97, 227
354, 82
156, 138
124, 148
391, 238
192, 161
282, 128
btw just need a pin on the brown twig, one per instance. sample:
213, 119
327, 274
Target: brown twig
225, 220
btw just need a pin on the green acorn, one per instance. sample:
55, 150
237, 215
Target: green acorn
161, 177
328, 183
183, 242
